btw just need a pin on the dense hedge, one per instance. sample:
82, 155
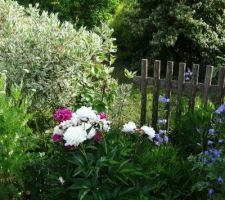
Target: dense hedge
88, 12
191, 31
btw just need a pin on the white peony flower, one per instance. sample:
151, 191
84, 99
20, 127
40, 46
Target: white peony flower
86, 113
68, 123
129, 127
105, 125
75, 136
57, 130
148, 131
74, 119
91, 133
61, 180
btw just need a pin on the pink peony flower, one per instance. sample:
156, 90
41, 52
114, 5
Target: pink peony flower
63, 114
69, 147
98, 136
56, 138
102, 115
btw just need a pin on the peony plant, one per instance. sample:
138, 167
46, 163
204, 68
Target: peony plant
76, 127
157, 137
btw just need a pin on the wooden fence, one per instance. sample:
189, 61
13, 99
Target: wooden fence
182, 87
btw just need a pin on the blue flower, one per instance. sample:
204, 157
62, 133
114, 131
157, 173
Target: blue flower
158, 138
216, 153
163, 99
162, 121
162, 132
220, 141
166, 139
211, 191
206, 153
221, 109
220, 180
210, 142
211, 131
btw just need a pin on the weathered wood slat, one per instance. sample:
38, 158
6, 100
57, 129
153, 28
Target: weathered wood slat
207, 84
213, 89
180, 85
220, 84
157, 67
169, 77
144, 75
194, 83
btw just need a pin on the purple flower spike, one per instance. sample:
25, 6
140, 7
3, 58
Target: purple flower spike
56, 138
210, 142
164, 100
220, 180
63, 114
221, 109
211, 131
211, 191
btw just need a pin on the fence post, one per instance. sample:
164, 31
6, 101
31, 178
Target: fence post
180, 85
207, 84
169, 77
194, 84
157, 66
220, 85
144, 76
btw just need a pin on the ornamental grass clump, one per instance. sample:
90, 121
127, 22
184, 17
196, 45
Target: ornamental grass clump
56, 59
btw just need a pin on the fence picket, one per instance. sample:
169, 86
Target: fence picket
220, 84
169, 77
180, 86
144, 76
207, 84
194, 83
157, 67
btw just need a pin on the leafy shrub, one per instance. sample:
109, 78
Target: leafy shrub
58, 61
189, 31
88, 13
15, 140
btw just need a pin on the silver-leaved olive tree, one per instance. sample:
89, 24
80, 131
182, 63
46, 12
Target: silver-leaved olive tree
65, 65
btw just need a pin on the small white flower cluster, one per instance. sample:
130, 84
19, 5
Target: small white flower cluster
131, 127
79, 126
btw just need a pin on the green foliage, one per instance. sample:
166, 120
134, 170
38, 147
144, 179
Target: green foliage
64, 65
189, 31
88, 13
119, 167
209, 164
190, 130
15, 139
